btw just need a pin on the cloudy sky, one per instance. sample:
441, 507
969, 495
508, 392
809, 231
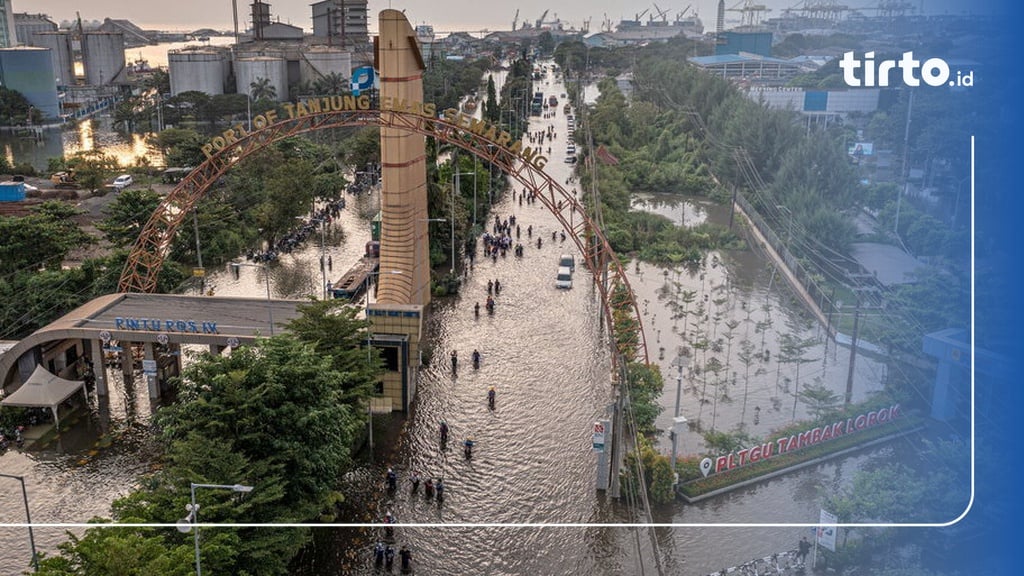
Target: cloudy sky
444, 15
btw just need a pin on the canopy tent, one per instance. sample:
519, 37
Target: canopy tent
44, 390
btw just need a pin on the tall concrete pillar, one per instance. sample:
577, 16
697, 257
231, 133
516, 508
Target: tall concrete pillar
99, 367
128, 367
404, 249
151, 380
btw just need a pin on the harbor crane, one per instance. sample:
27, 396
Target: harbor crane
540, 21
750, 12
661, 14
515, 20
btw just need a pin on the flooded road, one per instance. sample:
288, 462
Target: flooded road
544, 351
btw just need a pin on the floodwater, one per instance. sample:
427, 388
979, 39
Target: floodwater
546, 354
96, 133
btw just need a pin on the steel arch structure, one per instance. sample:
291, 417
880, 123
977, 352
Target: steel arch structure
621, 313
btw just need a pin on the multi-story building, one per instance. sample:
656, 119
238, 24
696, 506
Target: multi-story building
8, 30
28, 24
342, 22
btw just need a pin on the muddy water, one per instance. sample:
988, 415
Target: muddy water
76, 479
544, 351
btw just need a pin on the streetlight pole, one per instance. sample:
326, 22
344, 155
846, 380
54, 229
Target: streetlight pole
248, 109
28, 519
678, 363
191, 521
428, 220
270, 307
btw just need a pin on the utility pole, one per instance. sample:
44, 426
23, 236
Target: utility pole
853, 353
906, 174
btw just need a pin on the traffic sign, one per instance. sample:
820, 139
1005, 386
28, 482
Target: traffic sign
598, 436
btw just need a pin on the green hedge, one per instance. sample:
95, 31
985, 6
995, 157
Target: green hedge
703, 486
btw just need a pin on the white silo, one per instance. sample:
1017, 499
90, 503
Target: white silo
103, 58
250, 71
203, 70
59, 44
316, 64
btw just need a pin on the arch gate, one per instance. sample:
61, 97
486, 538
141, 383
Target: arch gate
621, 313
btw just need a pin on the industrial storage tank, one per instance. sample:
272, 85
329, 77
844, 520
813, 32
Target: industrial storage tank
103, 58
317, 64
59, 44
29, 70
198, 69
251, 70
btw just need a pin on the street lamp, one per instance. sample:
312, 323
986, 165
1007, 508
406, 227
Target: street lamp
452, 271
28, 519
248, 109
192, 520
677, 420
270, 307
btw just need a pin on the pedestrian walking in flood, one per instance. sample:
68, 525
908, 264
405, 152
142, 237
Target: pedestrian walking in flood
406, 555
389, 557
803, 550
392, 480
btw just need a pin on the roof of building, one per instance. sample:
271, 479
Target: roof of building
723, 59
150, 317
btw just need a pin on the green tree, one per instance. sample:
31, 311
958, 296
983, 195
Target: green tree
127, 215
333, 83
39, 240
262, 89
16, 110
492, 111
93, 168
181, 147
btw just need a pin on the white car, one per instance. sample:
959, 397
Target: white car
564, 278
123, 181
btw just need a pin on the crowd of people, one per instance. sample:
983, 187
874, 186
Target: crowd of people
505, 235
294, 238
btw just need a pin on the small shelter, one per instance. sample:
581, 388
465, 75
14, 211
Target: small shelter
44, 390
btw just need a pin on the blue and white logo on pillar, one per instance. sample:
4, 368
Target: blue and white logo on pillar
363, 78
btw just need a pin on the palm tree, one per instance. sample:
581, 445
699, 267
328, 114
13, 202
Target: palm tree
262, 89
333, 83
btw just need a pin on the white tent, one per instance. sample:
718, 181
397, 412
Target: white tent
44, 390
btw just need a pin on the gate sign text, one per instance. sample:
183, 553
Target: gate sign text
157, 325
806, 438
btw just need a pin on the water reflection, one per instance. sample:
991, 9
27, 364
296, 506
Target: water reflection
96, 133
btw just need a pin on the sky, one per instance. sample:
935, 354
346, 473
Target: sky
444, 15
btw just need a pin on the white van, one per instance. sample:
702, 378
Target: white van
564, 278
567, 261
